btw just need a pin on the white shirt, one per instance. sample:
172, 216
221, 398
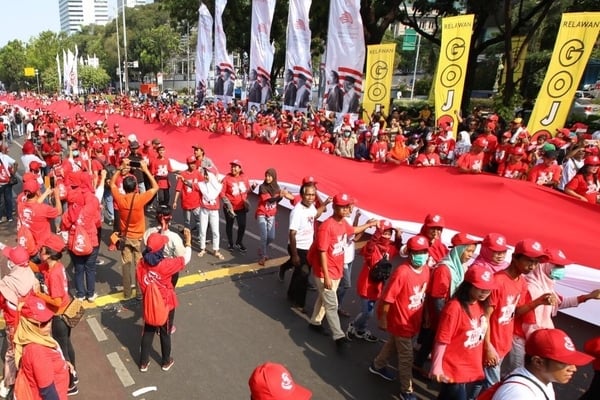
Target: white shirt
525, 389
302, 220
174, 247
570, 168
349, 248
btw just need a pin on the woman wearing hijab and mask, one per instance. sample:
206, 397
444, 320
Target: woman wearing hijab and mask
541, 281
379, 247
269, 194
492, 254
155, 267
463, 145
446, 276
43, 371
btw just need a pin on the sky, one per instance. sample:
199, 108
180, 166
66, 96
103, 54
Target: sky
32, 17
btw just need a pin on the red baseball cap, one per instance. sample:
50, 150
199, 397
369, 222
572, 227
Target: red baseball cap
36, 165
480, 277
384, 225
554, 344
556, 256
308, 179
588, 160
196, 146
31, 186
495, 242
592, 347
17, 255
35, 308
517, 151
342, 200
434, 221
236, 162
531, 248
156, 241
54, 242
417, 243
190, 160
272, 381
480, 142
464, 239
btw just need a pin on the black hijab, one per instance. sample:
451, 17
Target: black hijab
271, 188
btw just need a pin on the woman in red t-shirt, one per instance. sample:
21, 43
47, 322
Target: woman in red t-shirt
379, 247
585, 185
269, 194
458, 350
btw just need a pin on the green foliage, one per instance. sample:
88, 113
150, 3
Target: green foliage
12, 64
91, 77
423, 86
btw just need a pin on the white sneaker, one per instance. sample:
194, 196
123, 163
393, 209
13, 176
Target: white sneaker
3, 390
92, 298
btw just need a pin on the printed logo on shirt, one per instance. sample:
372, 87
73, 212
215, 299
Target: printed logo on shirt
417, 298
507, 312
162, 170
477, 332
338, 247
544, 178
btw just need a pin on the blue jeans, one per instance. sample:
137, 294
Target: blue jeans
109, 207
6, 195
85, 273
187, 220
367, 307
266, 227
345, 283
456, 391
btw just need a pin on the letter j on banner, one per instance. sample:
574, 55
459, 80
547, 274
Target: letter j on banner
452, 68
380, 68
576, 38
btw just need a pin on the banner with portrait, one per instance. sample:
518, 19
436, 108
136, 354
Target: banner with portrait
203, 51
298, 77
378, 80
449, 81
224, 71
576, 38
345, 57
261, 53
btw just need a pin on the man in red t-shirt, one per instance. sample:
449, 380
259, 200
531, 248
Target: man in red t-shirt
187, 188
510, 299
326, 256
547, 173
160, 168
401, 314
472, 162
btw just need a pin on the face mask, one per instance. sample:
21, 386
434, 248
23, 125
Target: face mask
557, 273
75, 153
346, 134
10, 265
418, 260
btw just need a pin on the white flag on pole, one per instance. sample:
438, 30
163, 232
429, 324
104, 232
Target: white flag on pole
261, 53
224, 72
204, 51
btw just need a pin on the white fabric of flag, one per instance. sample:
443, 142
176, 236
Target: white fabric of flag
204, 50
224, 71
262, 52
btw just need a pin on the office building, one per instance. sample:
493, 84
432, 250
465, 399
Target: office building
76, 13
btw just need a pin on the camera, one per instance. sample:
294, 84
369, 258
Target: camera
135, 164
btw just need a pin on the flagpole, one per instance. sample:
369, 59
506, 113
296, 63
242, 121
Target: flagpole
119, 68
125, 77
412, 86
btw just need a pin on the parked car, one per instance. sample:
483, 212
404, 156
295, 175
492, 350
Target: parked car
585, 106
583, 94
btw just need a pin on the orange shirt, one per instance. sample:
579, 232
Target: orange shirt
137, 222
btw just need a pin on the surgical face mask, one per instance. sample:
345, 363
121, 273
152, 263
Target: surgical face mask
75, 153
418, 260
346, 134
557, 273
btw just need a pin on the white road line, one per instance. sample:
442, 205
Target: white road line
120, 369
97, 329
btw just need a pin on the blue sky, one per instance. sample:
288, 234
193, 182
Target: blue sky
27, 18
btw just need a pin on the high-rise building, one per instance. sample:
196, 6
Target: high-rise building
132, 3
76, 13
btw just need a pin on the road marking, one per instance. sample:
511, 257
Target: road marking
120, 369
97, 329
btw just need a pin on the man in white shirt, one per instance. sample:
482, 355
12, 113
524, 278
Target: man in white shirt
550, 356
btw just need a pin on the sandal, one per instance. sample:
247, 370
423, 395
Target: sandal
219, 255
202, 253
262, 261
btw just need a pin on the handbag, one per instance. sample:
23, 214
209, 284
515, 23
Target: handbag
381, 271
13, 180
73, 313
121, 243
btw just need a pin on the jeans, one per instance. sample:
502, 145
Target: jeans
266, 227
163, 197
85, 273
130, 257
516, 357
456, 391
209, 217
345, 283
367, 307
194, 214
240, 217
148, 334
326, 307
403, 349
109, 206
6, 195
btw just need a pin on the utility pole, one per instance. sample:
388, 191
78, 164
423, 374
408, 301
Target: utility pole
125, 66
119, 66
188, 56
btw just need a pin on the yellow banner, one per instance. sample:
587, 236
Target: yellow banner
452, 68
378, 83
29, 71
576, 38
518, 59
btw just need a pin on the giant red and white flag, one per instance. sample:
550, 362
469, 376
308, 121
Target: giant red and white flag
224, 72
298, 69
204, 51
345, 57
261, 52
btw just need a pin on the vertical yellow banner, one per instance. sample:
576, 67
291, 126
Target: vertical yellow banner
452, 67
576, 38
378, 83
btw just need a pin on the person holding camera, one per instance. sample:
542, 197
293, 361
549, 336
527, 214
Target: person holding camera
132, 221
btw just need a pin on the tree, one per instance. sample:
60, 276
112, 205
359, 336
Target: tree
91, 77
12, 64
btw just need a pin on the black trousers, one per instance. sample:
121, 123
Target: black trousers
164, 332
299, 283
240, 217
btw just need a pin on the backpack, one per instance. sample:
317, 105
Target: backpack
489, 393
79, 242
381, 271
155, 309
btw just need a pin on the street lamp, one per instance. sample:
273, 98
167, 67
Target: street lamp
37, 78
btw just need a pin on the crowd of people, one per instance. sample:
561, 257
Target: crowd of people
471, 316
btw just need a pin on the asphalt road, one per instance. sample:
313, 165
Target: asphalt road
233, 316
